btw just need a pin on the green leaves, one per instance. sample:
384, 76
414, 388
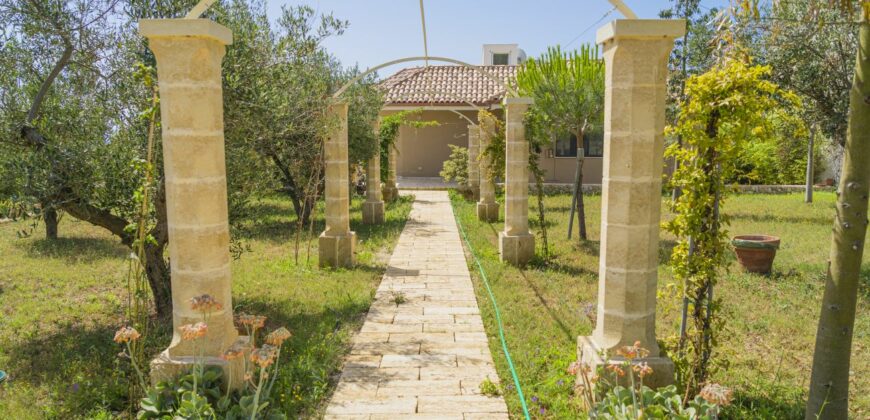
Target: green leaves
663, 403
727, 108
568, 89
455, 168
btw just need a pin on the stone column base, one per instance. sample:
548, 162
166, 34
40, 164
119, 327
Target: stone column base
337, 251
390, 193
475, 193
373, 212
590, 353
516, 249
166, 368
487, 212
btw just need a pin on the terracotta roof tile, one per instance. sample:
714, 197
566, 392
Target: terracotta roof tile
447, 85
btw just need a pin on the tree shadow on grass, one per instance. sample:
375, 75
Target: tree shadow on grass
278, 227
80, 368
78, 365
534, 222
558, 209
765, 407
539, 263
589, 246
553, 315
74, 249
278, 223
311, 360
780, 218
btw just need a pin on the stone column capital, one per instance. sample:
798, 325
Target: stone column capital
641, 29
170, 28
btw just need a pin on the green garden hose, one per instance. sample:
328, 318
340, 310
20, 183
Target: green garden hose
507, 353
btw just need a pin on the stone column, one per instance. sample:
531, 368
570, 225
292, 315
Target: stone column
373, 207
636, 55
189, 54
473, 166
337, 242
516, 245
391, 191
487, 207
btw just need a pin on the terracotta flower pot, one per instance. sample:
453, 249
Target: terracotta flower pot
755, 252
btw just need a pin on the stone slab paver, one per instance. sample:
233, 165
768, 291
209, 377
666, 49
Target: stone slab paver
426, 357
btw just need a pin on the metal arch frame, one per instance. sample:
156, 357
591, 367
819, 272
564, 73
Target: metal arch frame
623, 8
618, 4
371, 70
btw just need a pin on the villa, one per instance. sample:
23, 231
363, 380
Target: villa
452, 95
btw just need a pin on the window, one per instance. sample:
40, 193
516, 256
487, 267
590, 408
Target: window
593, 145
500, 59
566, 146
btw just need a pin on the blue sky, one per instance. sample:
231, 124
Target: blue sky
383, 30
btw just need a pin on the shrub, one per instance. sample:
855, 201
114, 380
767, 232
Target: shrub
456, 166
663, 403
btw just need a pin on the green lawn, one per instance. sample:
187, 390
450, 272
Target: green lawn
63, 300
765, 352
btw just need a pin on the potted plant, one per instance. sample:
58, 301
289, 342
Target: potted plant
755, 252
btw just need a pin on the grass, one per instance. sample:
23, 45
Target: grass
62, 301
765, 352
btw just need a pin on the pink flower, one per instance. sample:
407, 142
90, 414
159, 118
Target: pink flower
193, 331
643, 369
253, 321
126, 334
264, 356
277, 337
633, 352
234, 352
205, 303
617, 370
716, 394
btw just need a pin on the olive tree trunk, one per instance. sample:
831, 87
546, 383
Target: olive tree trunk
49, 217
808, 198
156, 266
829, 383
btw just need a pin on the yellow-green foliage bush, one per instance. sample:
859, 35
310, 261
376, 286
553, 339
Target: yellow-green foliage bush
455, 168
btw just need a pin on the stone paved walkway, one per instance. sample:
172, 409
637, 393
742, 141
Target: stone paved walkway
424, 358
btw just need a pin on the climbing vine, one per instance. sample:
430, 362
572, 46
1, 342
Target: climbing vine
724, 109
494, 151
389, 132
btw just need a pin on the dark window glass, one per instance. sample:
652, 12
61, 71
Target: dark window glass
593, 145
566, 146
500, 59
